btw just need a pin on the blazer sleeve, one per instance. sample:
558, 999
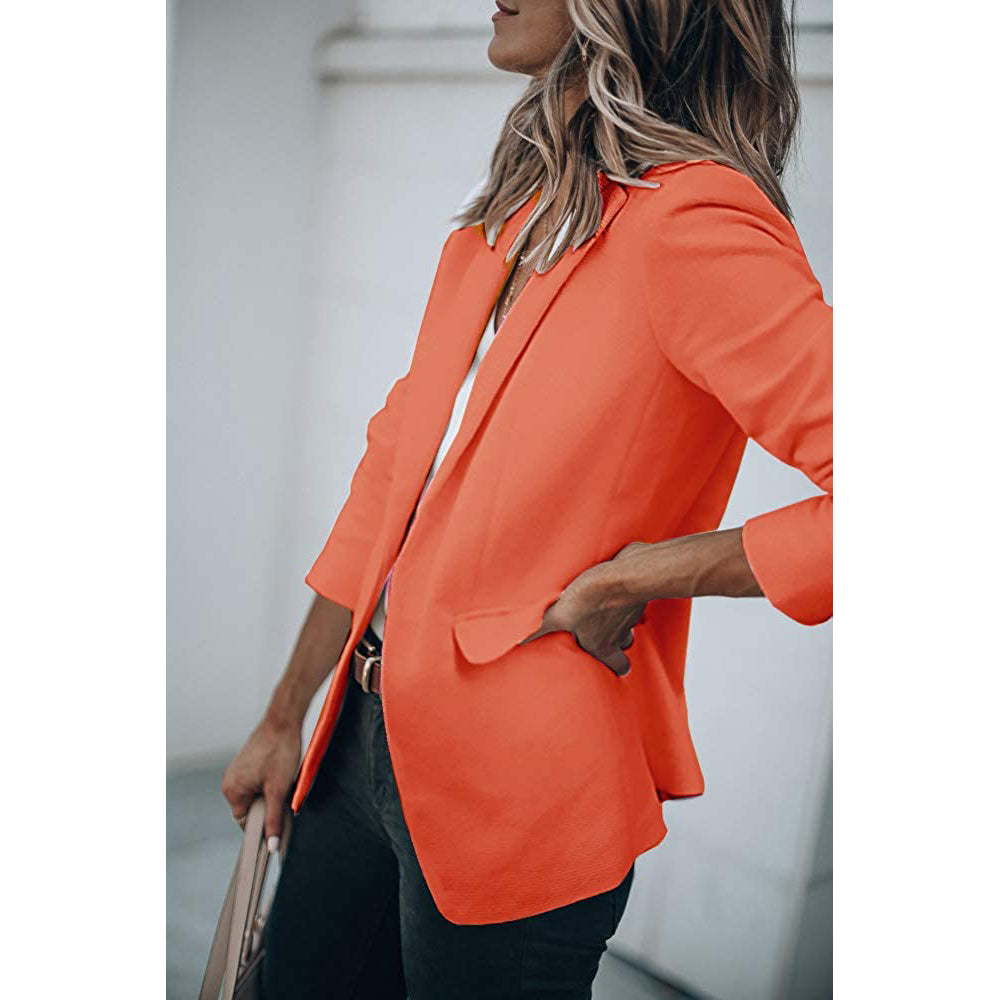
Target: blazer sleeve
336, 573
736, 308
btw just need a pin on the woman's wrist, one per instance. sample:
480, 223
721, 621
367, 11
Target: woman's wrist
320, 643
288, 705
711, 563
643, 572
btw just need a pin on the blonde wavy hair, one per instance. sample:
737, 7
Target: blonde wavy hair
666, 80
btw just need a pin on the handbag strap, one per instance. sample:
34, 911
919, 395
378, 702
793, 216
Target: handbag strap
239, 906
215, 968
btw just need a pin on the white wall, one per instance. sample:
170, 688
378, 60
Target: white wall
244, 130
285, 334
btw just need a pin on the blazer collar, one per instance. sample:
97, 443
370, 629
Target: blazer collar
513, 223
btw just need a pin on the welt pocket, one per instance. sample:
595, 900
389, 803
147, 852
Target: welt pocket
486, 634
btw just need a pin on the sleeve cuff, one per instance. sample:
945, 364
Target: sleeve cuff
332, 591
336, 576
790, 551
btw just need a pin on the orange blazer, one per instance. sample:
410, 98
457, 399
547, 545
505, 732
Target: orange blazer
613, 406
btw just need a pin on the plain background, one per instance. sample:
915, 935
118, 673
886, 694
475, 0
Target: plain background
83, 405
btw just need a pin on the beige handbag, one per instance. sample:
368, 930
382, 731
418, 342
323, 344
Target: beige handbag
234, 962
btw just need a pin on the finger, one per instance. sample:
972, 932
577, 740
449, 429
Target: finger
617, 661
545, 629
537, 634
548, 623
636, 616
239, 801
274, 813
627, 640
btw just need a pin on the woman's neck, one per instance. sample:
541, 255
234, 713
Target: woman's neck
573, 96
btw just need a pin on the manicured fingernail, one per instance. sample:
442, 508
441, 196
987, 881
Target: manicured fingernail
273, 843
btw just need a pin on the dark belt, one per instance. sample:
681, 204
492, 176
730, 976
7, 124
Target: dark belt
367, 667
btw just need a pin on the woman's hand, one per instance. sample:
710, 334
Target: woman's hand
266, 766
597, 613
269, 761
604, 603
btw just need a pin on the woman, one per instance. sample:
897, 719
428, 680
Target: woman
624, 302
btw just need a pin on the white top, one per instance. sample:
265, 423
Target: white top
457, 410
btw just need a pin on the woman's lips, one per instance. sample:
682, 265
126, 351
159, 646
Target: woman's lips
503, 11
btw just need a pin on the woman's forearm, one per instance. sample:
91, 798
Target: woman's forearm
602, 605
708, 564
320, 643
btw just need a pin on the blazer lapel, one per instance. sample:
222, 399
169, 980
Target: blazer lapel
518, 326
457, 313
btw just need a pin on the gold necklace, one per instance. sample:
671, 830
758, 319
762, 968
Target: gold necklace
508, 298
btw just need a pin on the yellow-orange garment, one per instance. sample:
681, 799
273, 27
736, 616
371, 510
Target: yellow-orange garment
614, 407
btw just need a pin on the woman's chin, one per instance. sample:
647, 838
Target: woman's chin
503, 55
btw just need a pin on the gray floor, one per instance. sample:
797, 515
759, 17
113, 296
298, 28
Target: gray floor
202, 842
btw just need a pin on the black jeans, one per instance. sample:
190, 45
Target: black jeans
353, 918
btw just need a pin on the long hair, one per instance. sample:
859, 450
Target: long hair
666, 81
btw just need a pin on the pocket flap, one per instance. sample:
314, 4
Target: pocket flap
487, 634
